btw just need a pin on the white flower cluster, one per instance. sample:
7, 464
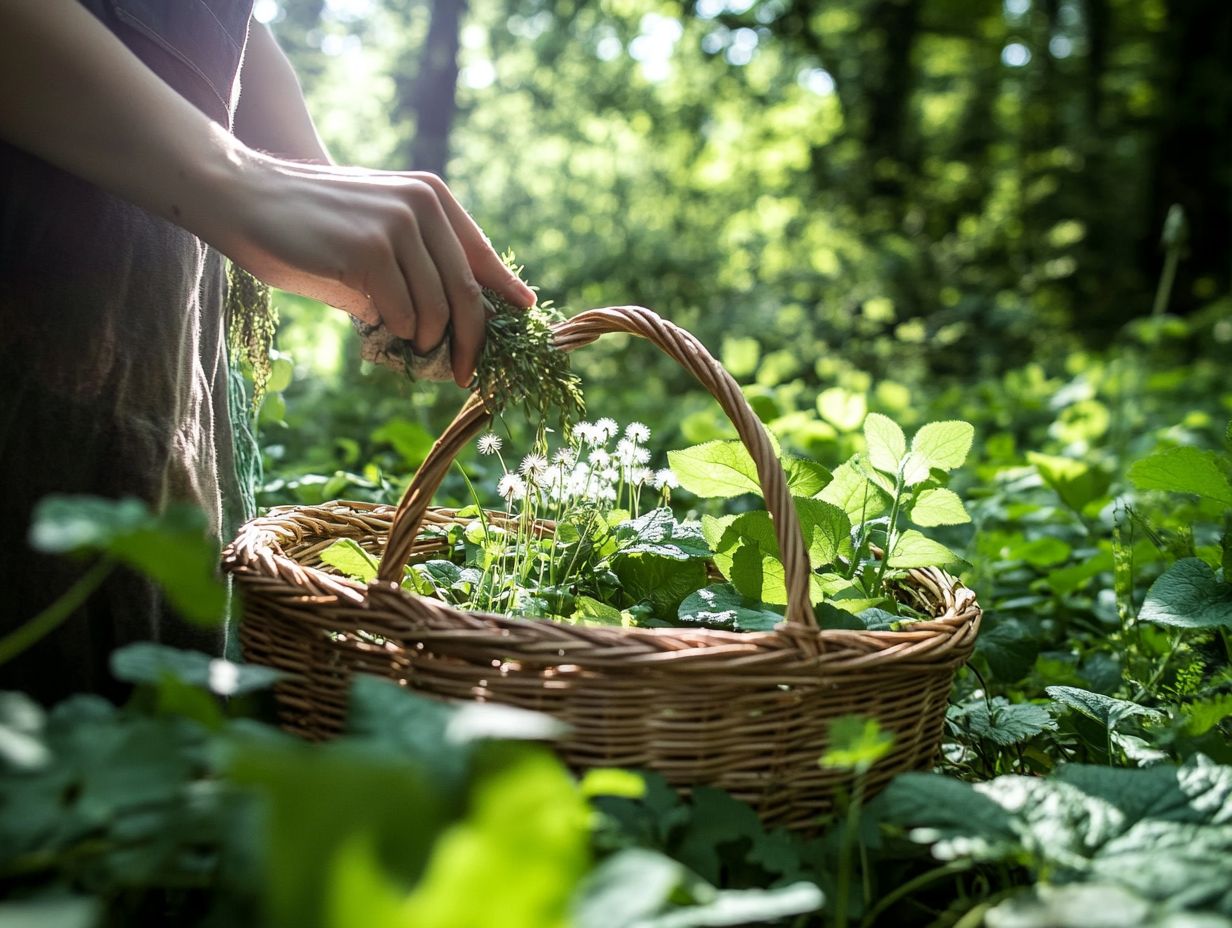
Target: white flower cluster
589, 469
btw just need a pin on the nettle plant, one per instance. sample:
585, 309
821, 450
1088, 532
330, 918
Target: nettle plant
587, 534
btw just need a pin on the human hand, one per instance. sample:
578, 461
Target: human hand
394, 248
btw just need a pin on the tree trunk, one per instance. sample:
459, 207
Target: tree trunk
432, 98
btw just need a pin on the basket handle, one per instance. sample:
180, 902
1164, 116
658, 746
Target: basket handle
683, 348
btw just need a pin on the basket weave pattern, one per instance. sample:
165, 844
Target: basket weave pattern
747, 712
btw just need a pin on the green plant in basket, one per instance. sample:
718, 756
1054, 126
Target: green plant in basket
577, 542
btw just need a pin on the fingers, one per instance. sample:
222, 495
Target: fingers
386, 287
489, 270
461, 293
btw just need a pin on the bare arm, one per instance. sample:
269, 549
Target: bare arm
381, 245
272, 116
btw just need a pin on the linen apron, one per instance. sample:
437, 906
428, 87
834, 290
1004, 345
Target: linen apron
113, 367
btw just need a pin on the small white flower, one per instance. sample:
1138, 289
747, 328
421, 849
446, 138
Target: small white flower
600, 458
588, 434
665, 478
609, 475
641, 455
637, 432
533, 465
625, 451
608, 427
511, 487
489, 443
606, 494
639, 475
565, 457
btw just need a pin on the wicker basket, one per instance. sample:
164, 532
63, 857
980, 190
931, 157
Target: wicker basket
746, 712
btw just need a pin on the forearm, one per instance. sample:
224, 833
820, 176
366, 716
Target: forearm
272, 116
78, 98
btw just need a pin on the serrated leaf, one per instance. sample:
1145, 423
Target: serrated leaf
826, 529
1106, 710
886, 442
939, 507
916, 469
855, 494
661, 581
1009, 647
944, 445
805, 477
911, 549
715, 469
1188, 595
351, 560
1183, 470
1003, 723
658, 532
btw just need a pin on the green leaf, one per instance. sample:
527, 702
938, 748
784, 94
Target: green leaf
911, 549
590, 611
348, 558
759, 575
939, 507
150, 663
1081, 905
944, 445
658, 532
722, 606
1076, 482
826, 529
1188, 595
173, 548
1003, 723
887, 445
1106, 710
855, 494
721, 469
1009, 647
805, 477
855, 743
1183, 470
663, 582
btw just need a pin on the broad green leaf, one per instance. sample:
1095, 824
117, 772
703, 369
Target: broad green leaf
351, 560
855, 743
944, 444
1080, 905
1106, 710
1003, 723
911, 549
592, 612
1188, 595
759, 575
1009, 647
826, 528
939, 507
663, 582
722, 606
1183, 470
916, 469
525, 841
887, 445
855, 494
842, 408
173, 548
805, 477
150, 663
1076, 482
721, 469
658, 532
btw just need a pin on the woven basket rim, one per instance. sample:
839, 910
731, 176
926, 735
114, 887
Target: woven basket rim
258, 546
